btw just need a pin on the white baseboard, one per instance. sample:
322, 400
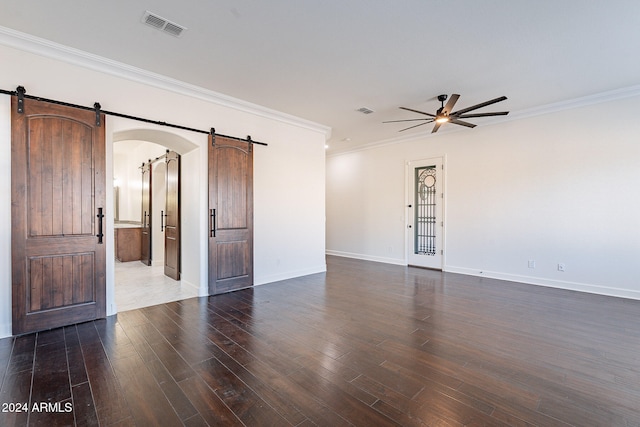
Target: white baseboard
184, 282
550, 283
5, 330
386, 260
289, 275
529, 280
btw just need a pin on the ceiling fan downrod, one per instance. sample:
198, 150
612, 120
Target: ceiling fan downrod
440, 116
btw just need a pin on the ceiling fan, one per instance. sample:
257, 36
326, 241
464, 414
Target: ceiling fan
444, 114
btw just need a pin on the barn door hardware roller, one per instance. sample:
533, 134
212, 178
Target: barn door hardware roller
20, 91
96, 107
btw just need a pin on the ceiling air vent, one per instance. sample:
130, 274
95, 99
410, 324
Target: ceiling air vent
162, 24
365, 110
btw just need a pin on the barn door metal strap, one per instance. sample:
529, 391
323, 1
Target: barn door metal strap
248, 139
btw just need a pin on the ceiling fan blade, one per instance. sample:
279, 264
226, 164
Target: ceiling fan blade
461, 123
449, 106
475, 107
468, 116
406, 120
419, 112
436, 127
411, 127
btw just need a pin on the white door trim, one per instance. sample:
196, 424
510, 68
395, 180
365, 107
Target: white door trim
409, 209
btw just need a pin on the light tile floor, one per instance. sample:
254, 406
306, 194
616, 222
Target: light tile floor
138, 285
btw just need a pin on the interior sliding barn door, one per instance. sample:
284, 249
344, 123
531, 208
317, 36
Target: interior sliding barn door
57, 209
171, 217
145, 252
230, 214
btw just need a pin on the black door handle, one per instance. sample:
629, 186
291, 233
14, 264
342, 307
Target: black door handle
100, 234
212, 232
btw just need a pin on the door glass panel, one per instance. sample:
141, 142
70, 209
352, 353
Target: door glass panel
425, 211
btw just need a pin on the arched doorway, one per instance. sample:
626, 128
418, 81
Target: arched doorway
135, 284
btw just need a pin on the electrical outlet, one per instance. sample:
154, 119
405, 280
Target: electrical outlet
561, 266
532, 263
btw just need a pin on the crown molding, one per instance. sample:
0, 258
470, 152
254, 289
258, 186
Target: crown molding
49, 49
584, 101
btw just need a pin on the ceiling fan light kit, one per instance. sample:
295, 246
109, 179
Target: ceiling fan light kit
444, 114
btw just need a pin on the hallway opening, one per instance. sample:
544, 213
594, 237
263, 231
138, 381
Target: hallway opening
136, 284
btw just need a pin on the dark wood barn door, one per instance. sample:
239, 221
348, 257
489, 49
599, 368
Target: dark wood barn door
171, 217
58, 199
145, 252
231, 215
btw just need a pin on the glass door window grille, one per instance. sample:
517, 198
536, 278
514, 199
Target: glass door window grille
425, 211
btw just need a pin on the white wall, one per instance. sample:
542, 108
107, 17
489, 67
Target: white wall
289, 206
5, 216
193, 256
289, 176
556, 188
159, 199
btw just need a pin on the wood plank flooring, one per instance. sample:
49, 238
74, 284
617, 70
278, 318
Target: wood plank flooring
365, 344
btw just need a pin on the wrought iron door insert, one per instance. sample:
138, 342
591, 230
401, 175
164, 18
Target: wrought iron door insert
425, 212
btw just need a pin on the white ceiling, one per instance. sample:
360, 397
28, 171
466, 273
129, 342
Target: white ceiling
322, 60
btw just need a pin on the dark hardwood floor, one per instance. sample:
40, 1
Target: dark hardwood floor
365, 344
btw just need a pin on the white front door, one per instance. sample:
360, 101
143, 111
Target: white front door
425, 197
